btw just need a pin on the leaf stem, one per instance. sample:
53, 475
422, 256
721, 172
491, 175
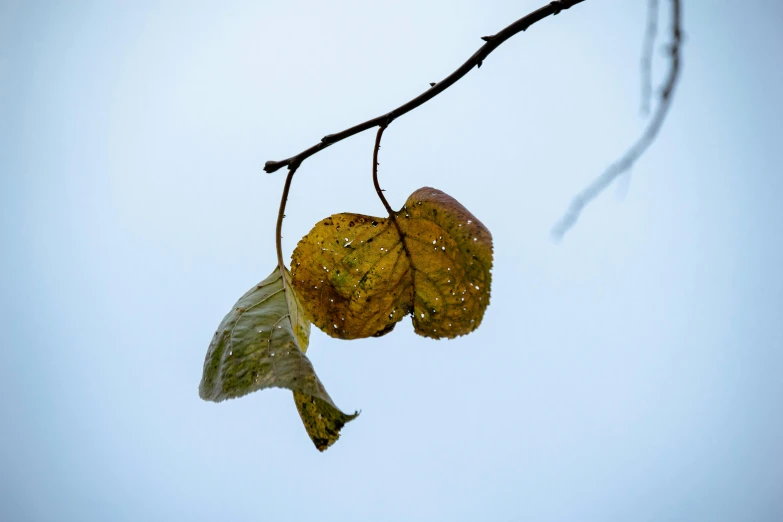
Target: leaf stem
280, 215
375, 171
379, 190
492, 43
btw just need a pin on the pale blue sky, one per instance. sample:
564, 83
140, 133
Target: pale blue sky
631, 372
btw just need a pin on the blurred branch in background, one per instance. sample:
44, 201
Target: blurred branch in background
625, 162
647, 55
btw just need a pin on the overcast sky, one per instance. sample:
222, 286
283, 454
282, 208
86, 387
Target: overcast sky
630, 372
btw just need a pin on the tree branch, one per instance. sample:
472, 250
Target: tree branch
492, 43
642, 143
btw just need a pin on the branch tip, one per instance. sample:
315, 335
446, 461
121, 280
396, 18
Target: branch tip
272, 166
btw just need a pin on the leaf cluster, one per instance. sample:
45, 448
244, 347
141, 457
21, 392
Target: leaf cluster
353, 276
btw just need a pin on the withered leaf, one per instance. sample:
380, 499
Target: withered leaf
261, 344
359, 275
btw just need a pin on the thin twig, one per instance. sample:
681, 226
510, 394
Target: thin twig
647, 53
645, 140
492, 43
378, 188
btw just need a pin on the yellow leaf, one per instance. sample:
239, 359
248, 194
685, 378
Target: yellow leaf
359, 275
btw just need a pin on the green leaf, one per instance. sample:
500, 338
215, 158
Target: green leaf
261, 344
359, 275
